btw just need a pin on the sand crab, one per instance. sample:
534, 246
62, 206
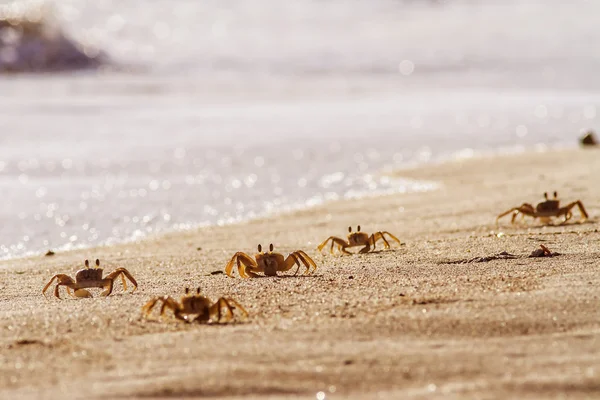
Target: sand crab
358, 238
269, 263
90, 278
197, 305
546, 210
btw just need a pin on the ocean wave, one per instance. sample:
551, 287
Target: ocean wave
31, 40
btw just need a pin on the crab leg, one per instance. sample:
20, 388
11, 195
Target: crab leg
122, 271
579, 204
582, 210
340, 242
48, 285
62, 279
391, 236
123, 281
514, 210
216, 309
251, 270
306, 260
167, 302
241, 258
236, 306
341, 245
228, 304
525, 209
59, 284
379, 235
149, 305
514, 217
291, 260
295, 258
376, 236
298, 258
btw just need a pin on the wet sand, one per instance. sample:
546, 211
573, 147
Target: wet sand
437, 317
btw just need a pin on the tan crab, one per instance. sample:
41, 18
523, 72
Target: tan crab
268, 263
90, 278
358, 238
197, 305
546, 210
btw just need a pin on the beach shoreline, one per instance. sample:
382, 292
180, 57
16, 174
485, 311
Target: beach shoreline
423, 320
389, 173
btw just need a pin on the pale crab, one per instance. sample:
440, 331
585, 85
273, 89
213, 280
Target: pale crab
268, 263
198, 306
90, 278
546, 210
358, 238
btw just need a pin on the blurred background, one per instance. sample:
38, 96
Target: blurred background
124, 118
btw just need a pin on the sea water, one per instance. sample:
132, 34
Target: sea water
214, 112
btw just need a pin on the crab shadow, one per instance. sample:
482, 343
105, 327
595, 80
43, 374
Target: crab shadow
173, 321
380, 251
341, 255
289, 276
589, 221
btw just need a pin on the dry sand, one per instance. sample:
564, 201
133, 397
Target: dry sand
413, 322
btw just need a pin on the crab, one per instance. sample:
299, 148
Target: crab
269, 263
546, 210
358, 238
197, 305
90, 278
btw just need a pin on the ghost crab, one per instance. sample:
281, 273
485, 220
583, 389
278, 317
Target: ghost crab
546, 210
197, 305
268, 263
358, 238
90, 278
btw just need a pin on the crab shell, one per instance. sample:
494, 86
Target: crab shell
269, 261
89, 274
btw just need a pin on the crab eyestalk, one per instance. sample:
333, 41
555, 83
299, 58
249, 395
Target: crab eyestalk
97, 263
259, 248
350, 229
87, 264
555, 195
358, 228
271, 248
198, 290
187, 290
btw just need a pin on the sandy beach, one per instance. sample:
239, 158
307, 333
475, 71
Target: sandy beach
432, 318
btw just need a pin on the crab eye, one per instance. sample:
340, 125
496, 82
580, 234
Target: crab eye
97, 262
358, 228
555, 195
87, 263
259, 248
546, 195
271, 247
198, 290
349, 229
187, 290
